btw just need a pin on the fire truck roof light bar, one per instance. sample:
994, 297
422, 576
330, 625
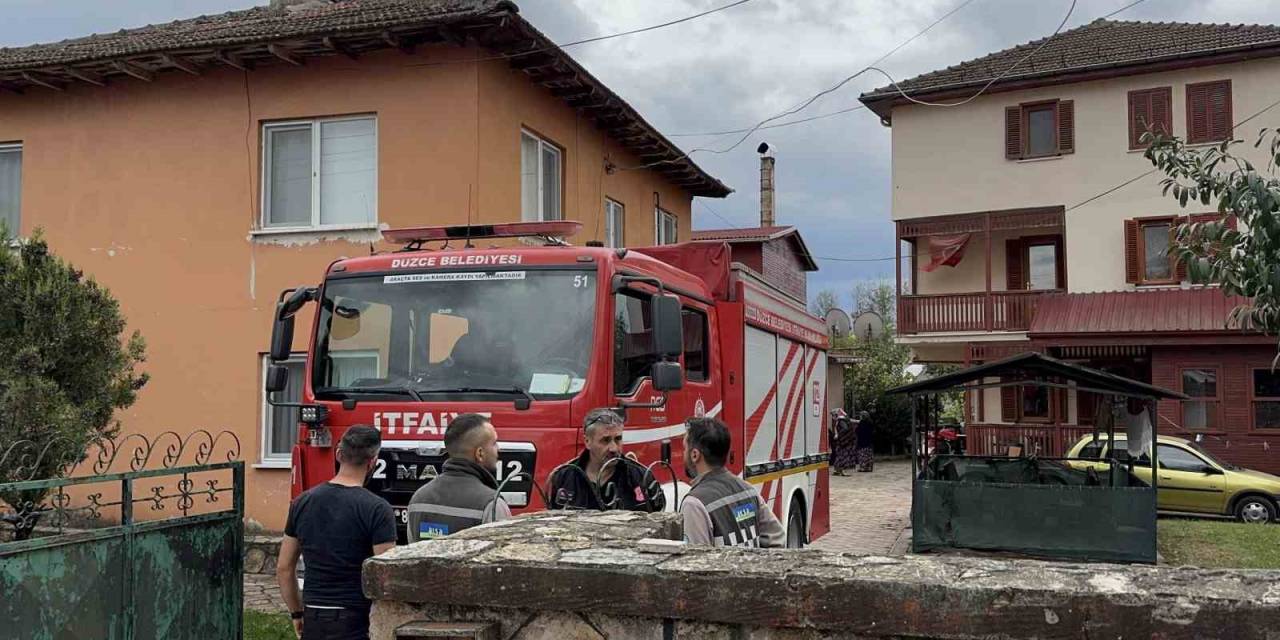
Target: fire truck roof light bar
558, 229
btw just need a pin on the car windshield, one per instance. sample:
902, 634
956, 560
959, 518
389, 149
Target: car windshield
431, 335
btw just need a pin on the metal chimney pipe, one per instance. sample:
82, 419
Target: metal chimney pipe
766, 184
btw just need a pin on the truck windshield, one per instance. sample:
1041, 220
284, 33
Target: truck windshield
441, 334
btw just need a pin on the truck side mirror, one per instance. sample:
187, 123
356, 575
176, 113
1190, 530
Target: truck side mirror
281, 336
668, 329
667, 376
277, 378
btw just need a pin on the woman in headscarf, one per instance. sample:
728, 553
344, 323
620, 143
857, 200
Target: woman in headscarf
865, 435
842, 442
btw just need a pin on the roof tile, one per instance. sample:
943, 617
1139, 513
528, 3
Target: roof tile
1148, 311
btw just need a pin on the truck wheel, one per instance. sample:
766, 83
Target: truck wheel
1255, 510
796, 538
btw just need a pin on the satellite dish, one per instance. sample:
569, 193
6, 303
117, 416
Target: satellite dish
868, 325
837, 323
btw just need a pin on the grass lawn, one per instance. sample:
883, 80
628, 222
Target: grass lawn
1219, 544
267, 626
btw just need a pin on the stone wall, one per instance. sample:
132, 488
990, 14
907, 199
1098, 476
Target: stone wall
618, 575
260, 554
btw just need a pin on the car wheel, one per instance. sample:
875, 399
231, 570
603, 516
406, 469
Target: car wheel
795, 527
1255, 510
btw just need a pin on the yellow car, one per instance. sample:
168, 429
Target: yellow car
1191, 479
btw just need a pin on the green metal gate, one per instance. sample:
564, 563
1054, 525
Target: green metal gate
127, 554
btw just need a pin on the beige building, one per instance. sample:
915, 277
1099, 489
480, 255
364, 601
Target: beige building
1033, 222
199, 167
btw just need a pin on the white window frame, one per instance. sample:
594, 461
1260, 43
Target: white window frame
615, 228
659, 215
9, 147
359, 353
543, 144
264, 213
267, 459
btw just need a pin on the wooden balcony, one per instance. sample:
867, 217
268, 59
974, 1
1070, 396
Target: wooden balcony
1043, 440
980, 311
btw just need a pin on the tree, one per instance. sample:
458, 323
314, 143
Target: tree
1243, 258
877, 296
824, 302
64, 368
882, 366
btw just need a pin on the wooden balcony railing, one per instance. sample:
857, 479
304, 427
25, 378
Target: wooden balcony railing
1044, 440
981, 311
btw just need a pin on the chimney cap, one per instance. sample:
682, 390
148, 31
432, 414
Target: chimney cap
765, 149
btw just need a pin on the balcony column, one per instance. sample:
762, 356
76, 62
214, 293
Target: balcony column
987, 308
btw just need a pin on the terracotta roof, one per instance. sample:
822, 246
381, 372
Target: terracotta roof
748, 234
249, 26
759, 234
1101, 44
1177, 311
290, 34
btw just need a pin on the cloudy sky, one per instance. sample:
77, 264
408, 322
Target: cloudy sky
731, 69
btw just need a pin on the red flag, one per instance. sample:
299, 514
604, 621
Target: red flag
946, 250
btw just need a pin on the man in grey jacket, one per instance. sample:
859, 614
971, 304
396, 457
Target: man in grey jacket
465, 493
722, 509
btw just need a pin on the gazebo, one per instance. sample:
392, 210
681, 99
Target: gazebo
1050, 507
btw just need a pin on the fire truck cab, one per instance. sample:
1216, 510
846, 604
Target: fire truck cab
535, 337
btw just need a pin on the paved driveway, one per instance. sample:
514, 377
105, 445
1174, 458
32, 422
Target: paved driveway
870, 511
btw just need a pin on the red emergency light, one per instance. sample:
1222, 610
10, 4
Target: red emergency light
558, 229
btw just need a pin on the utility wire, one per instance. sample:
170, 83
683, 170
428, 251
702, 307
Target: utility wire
1153, 170
1045, 41
554, 47
855, 75
804, 105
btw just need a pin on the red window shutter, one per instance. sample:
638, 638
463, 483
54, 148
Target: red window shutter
1209, 111
1061, 411
1179, 266
1013, 132
1009, 403
1014, 278
1162, 109
1149, 110
1139, 116
1219, 95
1197, 114
1132, 270
1086, 407
1066, 126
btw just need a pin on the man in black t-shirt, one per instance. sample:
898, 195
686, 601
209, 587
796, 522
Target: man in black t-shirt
336, 526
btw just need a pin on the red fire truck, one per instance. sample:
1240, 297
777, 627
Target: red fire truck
537, 335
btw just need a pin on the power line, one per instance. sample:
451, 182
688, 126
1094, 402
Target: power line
1043, 43
772, 126
814, 98
717, 214
554, 47
1153, 170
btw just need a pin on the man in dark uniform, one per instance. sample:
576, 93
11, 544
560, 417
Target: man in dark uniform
465, 493
722, 509
601, 477
336, 526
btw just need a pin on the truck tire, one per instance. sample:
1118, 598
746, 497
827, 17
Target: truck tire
796, 538
1255, 509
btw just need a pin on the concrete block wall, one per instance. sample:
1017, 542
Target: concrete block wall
593, 575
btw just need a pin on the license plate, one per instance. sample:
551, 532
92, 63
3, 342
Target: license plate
400, 472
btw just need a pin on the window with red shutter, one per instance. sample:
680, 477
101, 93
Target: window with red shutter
1146, 251
1009, 403
1209, 111
1149, 110
1039, 129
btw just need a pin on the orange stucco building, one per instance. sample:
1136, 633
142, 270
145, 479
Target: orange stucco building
198, 168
